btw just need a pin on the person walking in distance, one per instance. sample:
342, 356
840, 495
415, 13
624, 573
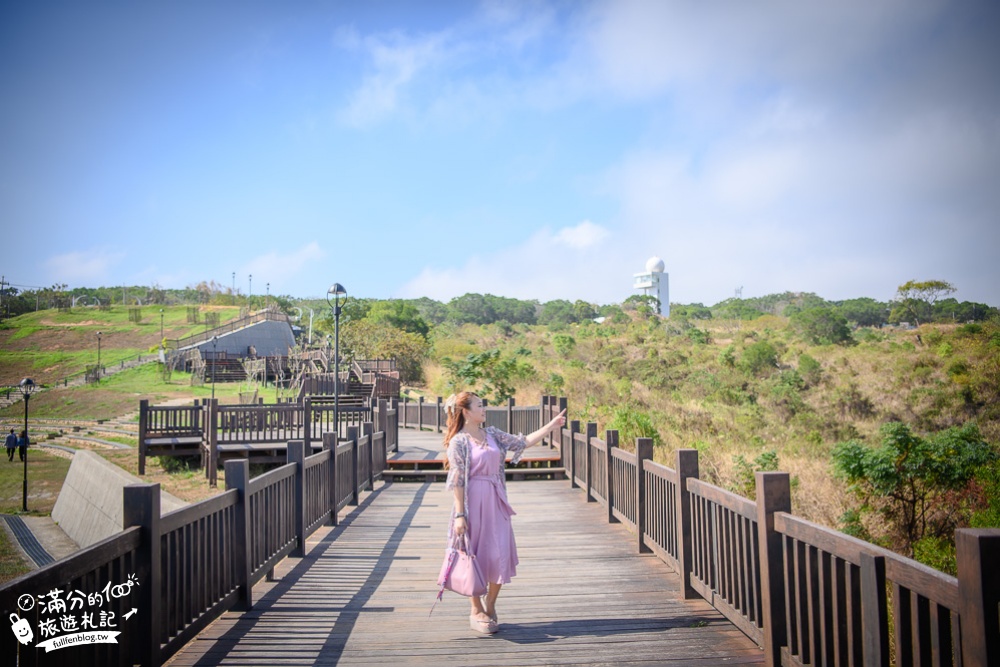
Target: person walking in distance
22, 444
480, 508
10, 443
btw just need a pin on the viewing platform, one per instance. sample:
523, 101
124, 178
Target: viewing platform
363, 592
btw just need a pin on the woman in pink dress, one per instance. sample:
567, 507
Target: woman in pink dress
481, 508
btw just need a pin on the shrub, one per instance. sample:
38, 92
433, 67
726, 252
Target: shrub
810, 370
759, 357
631, 424
822, 326
745, 482
699, 336
564, 344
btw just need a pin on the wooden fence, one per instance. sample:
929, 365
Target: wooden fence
421, 414
219, 431
197, 562
807, 594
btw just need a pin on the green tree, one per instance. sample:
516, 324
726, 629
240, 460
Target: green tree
487, 373
865, 312
471, 309
583, 311
915, 484
558, 311
693, 311
915, 300
399, 314
364, 339
822, 326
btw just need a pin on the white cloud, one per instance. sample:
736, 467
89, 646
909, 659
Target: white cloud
547, 265
280, 269
83, 267
584, 235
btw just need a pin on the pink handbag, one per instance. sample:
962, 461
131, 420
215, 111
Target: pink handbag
460, 572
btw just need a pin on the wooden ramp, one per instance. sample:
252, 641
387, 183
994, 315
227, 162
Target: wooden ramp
362, 595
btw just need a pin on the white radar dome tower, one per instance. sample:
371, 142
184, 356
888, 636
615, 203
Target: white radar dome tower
654, 281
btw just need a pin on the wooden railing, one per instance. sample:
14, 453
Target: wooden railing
808, 594
212, 424
195, 563
421, 414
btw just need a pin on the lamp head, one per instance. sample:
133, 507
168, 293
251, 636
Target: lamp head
99, 334
336, 294
27, 387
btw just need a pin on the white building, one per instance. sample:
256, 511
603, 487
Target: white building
654, 282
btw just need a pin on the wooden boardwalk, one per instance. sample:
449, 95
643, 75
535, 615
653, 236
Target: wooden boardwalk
362, 594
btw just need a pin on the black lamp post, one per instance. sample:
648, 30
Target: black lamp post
267, 298
27, 388
234, 288
335, 296
161, 327
215, 356
99, 356
250, 295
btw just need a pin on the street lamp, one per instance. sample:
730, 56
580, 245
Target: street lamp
335, 296
161, 327
234, 288
250, 294
27, 388
99, 356
267, 298
215, 356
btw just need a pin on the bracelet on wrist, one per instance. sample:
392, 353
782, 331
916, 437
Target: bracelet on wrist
460, 516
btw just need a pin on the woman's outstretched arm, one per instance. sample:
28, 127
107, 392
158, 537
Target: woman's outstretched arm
536, 437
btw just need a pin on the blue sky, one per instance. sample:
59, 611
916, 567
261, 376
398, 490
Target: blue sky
527, 149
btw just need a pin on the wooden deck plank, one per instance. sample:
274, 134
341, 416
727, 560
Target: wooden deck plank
362, 595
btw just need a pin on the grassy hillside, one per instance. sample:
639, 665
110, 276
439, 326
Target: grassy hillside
50, 345
748, 395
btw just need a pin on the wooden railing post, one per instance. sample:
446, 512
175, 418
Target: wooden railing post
141, 505
212, 431
383, 419
687, 468
143, 427
874, 611
437, 418
367, 430
352, 435
238, 477
542, 411
978, 553
643, 453
330, 442
307, 422
420, 413
611, 438
561, 406
774, 494
574, 428
510, 414
591, 433
296, 453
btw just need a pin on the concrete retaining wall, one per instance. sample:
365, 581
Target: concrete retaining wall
89, 507
269, 338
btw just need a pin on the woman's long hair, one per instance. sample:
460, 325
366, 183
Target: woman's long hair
456, 418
